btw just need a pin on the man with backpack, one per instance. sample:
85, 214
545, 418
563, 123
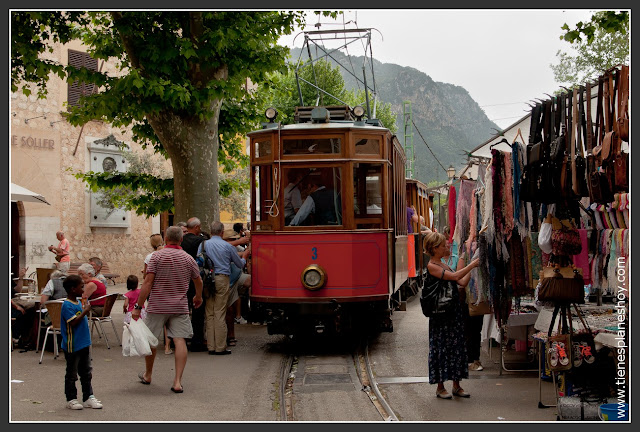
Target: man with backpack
222, 254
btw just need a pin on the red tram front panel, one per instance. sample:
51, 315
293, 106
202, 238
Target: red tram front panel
356, 266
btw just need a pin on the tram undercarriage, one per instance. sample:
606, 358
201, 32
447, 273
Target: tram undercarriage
327, 317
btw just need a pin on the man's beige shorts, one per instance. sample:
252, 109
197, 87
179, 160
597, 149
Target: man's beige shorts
178, 325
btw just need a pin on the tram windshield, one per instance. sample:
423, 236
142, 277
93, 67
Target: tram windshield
312, 196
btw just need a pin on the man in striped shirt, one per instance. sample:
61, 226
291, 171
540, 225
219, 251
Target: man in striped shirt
168, 274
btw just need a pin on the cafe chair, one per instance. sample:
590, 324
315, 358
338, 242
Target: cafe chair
106, 317
54, 307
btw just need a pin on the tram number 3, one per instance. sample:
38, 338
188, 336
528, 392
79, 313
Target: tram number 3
314, 253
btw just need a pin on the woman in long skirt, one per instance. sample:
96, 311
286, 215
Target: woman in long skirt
447, 348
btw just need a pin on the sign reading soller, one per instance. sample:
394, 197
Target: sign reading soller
28, 141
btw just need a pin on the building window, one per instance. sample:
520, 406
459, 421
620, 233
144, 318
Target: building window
77, 89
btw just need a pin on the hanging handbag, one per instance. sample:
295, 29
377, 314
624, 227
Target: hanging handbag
547, 176
528, 181
621, 172
600, 191
558, 144
583, 344
623, 103
481, 308
579, 182
561, 284
566, 240
558, 353
599, 126
611, 143
437, 297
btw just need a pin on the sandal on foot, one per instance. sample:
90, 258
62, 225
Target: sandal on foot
460, 392
142, 380
168, 352
232, 342
177, 391
443, 394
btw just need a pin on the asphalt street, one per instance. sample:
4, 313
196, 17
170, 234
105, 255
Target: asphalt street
243, 386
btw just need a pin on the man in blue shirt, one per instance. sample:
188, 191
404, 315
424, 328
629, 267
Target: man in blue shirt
222, 253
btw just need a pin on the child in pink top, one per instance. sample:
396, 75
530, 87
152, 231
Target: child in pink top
131, 298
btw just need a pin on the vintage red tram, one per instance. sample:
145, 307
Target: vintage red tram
328, 223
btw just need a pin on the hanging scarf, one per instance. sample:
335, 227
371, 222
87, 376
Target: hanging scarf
463, 210
473, 217
507, 196
488, 225
452, 211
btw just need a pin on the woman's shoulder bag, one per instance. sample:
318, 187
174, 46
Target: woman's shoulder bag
437, 297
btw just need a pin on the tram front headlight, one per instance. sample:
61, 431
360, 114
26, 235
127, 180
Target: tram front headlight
313, 277
358, 111
271, 114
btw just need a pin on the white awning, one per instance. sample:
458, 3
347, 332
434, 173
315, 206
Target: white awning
19, 193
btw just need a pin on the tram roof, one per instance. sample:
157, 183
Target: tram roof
344, 124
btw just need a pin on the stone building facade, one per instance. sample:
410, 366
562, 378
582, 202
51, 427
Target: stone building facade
45, 151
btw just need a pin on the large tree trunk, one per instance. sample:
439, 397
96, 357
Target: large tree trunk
192, 145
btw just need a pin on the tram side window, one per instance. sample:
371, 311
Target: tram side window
367, 145
263, 196
319, 189
308, 146
262, 148
367, 187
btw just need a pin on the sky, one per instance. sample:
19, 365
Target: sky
501, 57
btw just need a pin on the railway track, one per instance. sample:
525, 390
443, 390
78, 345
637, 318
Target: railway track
302, 374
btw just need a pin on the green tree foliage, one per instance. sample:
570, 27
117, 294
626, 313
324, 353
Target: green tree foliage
603, 49
180, 87
607, 21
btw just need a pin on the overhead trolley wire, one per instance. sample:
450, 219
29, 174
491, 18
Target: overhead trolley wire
425, 143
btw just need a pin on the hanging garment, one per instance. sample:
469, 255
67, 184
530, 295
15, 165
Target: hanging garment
507, 196
516, 261
463, 210
452, 211
473, 217
488, 225
582, 259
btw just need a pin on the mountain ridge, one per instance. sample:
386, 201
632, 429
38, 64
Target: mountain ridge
444, 114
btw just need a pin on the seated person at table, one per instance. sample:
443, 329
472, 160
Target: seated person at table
21, 328
93, 288
54, 290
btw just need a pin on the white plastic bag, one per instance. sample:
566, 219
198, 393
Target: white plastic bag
140, 339
546, 229
128, 347
544, 237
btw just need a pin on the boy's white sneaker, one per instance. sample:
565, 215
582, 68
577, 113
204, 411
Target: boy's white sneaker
74, 404
92, 402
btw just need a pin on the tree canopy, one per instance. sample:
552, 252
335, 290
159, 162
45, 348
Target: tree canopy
605, 47
606, 21
180, 85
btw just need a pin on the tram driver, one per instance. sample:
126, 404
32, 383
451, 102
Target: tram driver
323, 203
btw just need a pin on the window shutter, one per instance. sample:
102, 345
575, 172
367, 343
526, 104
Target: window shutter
78, 60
